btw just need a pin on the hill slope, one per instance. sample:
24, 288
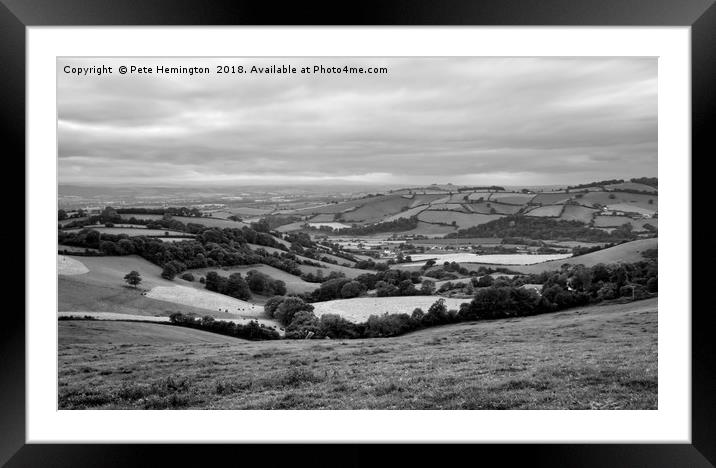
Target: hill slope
554, 361
95, 332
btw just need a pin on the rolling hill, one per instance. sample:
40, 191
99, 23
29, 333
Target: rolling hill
524, 363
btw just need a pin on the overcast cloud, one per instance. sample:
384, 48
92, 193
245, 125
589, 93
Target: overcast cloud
462, 120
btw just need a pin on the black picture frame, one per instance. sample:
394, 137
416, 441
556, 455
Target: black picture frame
700, 15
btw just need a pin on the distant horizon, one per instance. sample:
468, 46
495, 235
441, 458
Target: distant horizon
200, 186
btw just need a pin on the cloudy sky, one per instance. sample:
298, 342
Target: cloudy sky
508, 121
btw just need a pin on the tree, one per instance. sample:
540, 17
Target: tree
133, 278
351, 289
61, 214
288, 308
428, 287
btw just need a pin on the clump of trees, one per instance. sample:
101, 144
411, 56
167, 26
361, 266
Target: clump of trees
545, 228
398, 225
572, 286
211, 247
261, 283
235, 285
251, 331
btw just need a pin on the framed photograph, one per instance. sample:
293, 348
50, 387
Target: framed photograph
417, 224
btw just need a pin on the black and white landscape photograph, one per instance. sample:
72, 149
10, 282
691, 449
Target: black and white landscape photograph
357, 233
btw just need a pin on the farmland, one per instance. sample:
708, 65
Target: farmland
623, 253
210, 222
359, 309
552, 211
294, 284
496, 259
97, 284
462, 220
520, 362
133, 231
526, 363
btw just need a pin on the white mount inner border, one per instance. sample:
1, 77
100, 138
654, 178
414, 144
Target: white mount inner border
670, 423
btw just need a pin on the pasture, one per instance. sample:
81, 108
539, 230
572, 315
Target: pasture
578, 213
131, 231
632, 186
102, 289
600, 357
635, 200
430, 230
203, 299
375, 209
360, 308
549, 198
69, 266
210, 222
548, 211
493, 259
461, 220
628, 252
512, 198
407, 213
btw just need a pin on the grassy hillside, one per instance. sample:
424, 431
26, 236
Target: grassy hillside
102, 289
600, 357
103, 333
628, 252
359, 309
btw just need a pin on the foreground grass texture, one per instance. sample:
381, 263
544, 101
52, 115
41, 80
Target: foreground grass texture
599, 357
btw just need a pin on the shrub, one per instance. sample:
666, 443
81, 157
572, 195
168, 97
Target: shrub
187, 277
335, 326
351, 289
272, 304
389, 325
286, 310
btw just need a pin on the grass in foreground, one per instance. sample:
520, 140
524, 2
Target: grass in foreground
598, 357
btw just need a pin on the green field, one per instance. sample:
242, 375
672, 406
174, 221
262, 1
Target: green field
599, 357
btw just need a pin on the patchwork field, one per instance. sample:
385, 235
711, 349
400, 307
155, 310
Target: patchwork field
578, 213
611, 221
628, 252
628, 208
512, 198
327, 268
549, 211
632, 186
322, 218
550, 198
599, 357
430, 230
378, 208
425, 199
407, 213
462, 220
359, 309
621, 198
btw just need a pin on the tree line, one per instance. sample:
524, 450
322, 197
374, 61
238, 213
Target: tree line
545, 228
